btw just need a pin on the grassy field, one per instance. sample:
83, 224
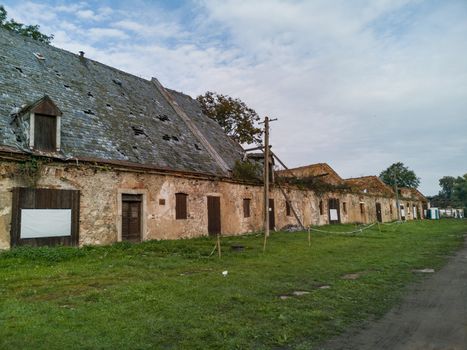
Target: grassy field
172, 295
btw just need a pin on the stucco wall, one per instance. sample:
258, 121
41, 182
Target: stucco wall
100, 203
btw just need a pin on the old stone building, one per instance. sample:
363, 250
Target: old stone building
93, 155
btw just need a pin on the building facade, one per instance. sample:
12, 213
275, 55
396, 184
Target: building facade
93, 155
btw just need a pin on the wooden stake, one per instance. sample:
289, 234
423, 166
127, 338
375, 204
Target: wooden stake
219, 251
309, 236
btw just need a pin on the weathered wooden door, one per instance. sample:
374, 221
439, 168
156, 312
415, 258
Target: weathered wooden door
214, 215
379, 214
131, 217
272, 217
334, 211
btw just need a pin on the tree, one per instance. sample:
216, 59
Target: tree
31, 31
402, 175
447, 185
459, 192
233, 115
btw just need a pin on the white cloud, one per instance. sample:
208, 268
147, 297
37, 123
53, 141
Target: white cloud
96, 34
357, 84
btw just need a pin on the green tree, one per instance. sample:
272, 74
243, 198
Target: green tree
460, 190
233, 115
31, 31
400, 174
447, 185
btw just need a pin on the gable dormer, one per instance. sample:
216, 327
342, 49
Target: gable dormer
44, 126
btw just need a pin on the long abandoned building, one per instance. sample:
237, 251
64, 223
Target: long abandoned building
93, 155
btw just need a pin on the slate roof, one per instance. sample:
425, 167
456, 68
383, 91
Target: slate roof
107, 114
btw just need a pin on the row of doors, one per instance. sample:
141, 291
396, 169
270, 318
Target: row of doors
132, 213
132, 216
335, 215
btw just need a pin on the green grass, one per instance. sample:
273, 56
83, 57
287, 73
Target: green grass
172, 295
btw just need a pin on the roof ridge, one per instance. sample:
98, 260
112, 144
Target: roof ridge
193, 128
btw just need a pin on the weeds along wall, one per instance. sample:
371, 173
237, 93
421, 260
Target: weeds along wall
101, 189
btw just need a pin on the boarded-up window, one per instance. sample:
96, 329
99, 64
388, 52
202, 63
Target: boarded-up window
45, 217
181, 206
344, 207
362, 208
246, 207
45, 132
321, 208
287, 208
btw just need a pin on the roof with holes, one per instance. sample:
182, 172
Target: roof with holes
106, 113
321, 170
370, 184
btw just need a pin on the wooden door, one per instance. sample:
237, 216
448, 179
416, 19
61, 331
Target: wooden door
272, 218
131, 218
334, 211
379, 215
214, 215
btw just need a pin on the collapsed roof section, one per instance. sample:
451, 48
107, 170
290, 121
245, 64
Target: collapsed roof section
370, 184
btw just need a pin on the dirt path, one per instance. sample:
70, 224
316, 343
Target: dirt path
432, 316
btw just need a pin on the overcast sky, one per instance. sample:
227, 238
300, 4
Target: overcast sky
356, 84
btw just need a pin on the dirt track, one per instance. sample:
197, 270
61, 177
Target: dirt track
432, 316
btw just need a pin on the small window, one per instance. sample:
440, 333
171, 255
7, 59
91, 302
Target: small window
181, 206
390, 208
287, 208
362, 208
321, 208
344, 207
45, 132
246, 207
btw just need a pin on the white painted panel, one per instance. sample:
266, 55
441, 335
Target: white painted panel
333, 214
37, 223
414, 212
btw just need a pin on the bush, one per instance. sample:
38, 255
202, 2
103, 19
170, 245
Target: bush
246, 171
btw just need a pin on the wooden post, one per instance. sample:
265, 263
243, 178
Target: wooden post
309, 236
398, 206
219, 245
266, 181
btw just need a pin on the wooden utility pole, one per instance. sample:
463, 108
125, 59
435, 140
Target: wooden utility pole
266, 180
397, 197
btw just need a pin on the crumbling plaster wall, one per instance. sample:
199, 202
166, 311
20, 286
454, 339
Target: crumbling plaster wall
101, 188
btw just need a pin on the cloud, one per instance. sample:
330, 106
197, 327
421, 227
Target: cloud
357, 84
96, 34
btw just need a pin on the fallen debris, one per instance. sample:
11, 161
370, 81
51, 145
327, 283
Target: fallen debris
324, 287
351, 276
424, 271
299, 293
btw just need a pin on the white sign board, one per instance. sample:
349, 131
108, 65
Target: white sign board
333, 214
38, 223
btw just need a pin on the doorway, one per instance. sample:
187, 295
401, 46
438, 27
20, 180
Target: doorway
379, 215
131, 217
214, 215
272, 218
334, 211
